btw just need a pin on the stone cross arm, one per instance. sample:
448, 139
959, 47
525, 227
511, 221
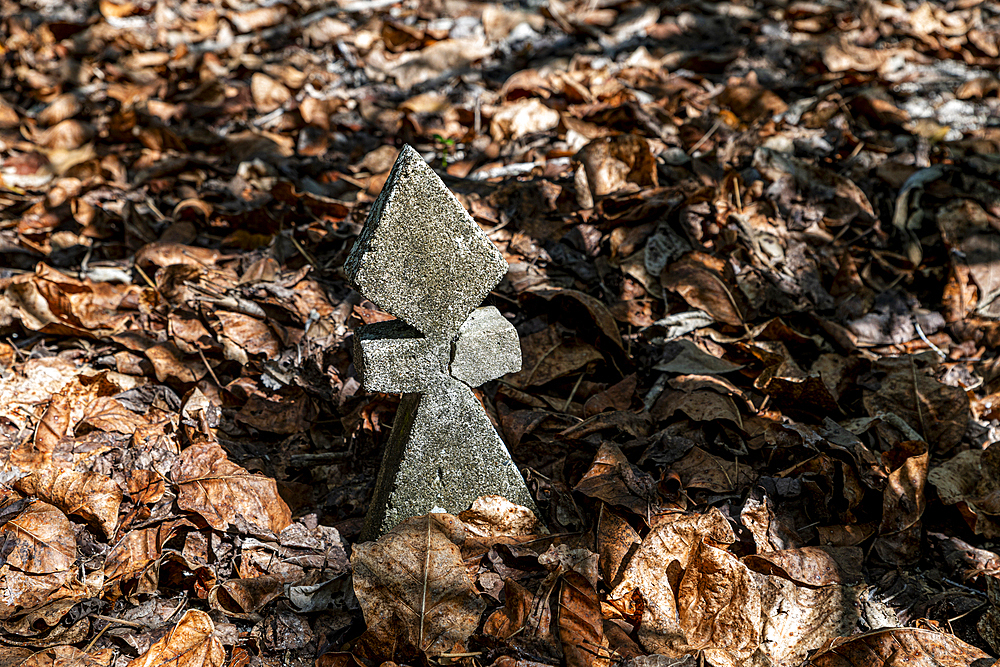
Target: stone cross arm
392, 357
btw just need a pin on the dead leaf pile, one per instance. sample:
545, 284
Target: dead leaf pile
754, 260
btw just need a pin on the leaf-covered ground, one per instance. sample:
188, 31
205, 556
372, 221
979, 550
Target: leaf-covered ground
754, 259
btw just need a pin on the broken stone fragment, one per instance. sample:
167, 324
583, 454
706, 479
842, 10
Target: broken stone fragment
487, 347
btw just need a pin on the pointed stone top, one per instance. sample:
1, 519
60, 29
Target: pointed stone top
420, 255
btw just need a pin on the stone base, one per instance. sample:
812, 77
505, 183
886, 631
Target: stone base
442, 454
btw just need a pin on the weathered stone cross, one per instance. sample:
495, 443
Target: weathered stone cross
422, 258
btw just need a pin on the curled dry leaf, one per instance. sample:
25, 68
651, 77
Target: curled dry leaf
84, 403
415, 67
250, 595
40, 548
56, 657
172, 365
90, 495
137, 549
903, 504
414, 590
513, 121
719, 610
218, 490
258, 19
580, 624
611, 163
190, 643
145, 486
614, 480
674, 619
812, 566
495, 520
158, 255
704, 282
267, 93
53, 303
63, 107
900, 647
66, 135
615, 539
972, 477
249, 333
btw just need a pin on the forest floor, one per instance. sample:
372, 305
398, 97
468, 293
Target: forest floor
754, 255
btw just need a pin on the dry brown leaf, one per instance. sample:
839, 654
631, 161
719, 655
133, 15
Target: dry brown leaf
414, 590
972, 477
750, 102
657, 568
250, 333
67, 135
218, 490
57, 656
706, 283
90, 495
719, 609
978, 88
899, 647
40, 540
514, 615
290, 412
611, 163
268, 94
495, 520
137, 549
514, 121
416, 67
936, 411
190, 643
8, 116
145, 486
61, 108
799, 619
614, 480
617, 397
251, 595
158, 255
548, 355
258, 19
703, 406
580, 624
68, 410
812, 566
53, 303
172, 365
615, 538
903, 503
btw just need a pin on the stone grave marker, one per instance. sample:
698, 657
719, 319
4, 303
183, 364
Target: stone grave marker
422, 258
